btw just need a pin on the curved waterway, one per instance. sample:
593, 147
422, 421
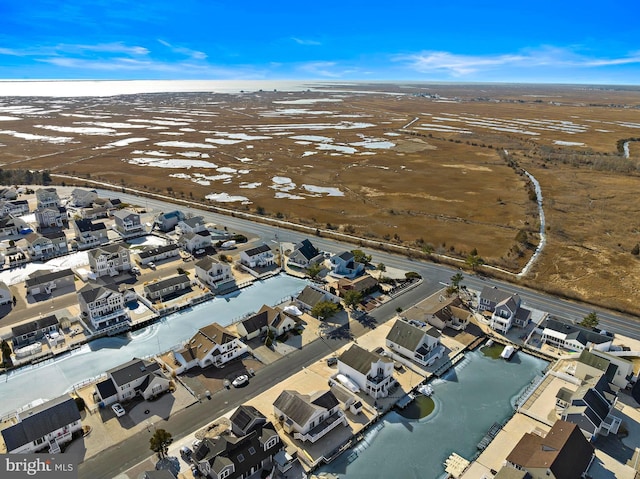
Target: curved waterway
477, 393
55, 377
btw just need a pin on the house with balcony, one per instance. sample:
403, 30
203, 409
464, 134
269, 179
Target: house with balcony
162, 289
590, 407
304, 254
505, 307
415, 343
158, 253
10, 227
51, 217
572, 337
127, 223
448, 313
89, 234
166, 222
137, 377
344, 265
14, 208
47, 198
258, 257
94, 212
215, 274
563, 453
267, 319
44, 246
212, 345
45, 427
308, 417
195, 224
44, 281
8, 193
103, 307
111, 260
231, 457
195, 241
34, 331
370, 371
83, 198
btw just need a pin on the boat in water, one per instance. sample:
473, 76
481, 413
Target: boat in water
507, 352
425, 389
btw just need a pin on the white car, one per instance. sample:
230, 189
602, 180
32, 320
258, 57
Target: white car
240, 381
118, 409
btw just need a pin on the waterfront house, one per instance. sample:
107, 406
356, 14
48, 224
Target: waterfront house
158, 253
44, 282
563, 453
28, 333
47, 198
371, 372
137, 377
83, 198
304, 254
505, 308
267, 319
104, 307
213, 273
308, 417
43, 246
51, 217
245, 419
5, 294
344, 265
619, 371
195, 224
449, 313
415, 343
230, 457
111, 260
195, 241
211, 345
312, 295
14, 208
127, 223
162, 289
573, 337
167, 221
260, 256
89, 234
348, 401
45, 427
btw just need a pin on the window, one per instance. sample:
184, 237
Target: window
252, 450
240, 457
224, 473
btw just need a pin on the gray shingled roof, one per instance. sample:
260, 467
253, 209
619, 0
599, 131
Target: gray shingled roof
36, 325
132, 370
88, 225
157, 250
573, 331
300, 408
406, 335
43, 277
263, 248
92, 291
494, 295
360, 359
310, 296
40, 421
167, 283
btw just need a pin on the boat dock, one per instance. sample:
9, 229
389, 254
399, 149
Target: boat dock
455, 465
489, 436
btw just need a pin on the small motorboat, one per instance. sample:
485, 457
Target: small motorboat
507, 352
425, 389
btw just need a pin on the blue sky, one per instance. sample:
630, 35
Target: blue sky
465, 41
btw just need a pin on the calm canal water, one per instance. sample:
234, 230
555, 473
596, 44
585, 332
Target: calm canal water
53, 378
478, 392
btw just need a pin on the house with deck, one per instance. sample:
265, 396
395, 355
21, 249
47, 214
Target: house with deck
421, 345
43, 281
14, 208
151, 254
308, 417
212, 345
83, 198
89, 234
43, 246
167, 221
51, 217
103, 307
344, 265
305, 254
370, 371
449, 313
572, 337
173, 286
10, 226
137, 377
258, 257
267, 319
312, 295
47, 198
195, 224
34, 331
46, 427
505, 307
193, 242
110, 260
215, 274
127, 223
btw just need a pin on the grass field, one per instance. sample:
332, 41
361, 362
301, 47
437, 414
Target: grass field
436, 166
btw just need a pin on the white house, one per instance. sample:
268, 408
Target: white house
260, 256
264, 320
104, 307
195, 241
45, 427
506, 309
573, 337
51, 217
42, 246
174, 285
158, 253
215, 274
5, 294
44, 282
14, 208
89, 234
304, 254
211, 345
83, 198
308, 417
195, 224
370, 371
110, 260
47, 198
344, 265
133, 378
412, 342
127, 223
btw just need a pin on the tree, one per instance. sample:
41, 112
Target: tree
590, 320
351, 298
7, 362
456, 279
324, 309
428, 249
474, 261
314, 270
159, 442
381, 267
360, 257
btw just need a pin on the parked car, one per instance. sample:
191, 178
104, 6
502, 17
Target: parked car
240, 381
185, 452
200, 251
118, 409
332, 361
151, 265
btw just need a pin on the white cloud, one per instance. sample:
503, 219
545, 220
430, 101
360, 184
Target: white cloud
188, 52
302, 41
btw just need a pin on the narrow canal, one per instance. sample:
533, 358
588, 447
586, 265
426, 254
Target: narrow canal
55, 377
469, 399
